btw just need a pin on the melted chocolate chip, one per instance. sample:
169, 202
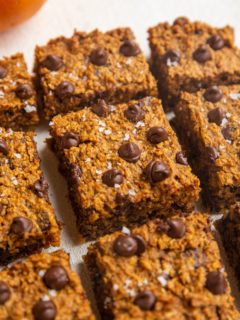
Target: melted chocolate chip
156, 135
211, 153
125, 246
213, 94
176, 229
3, 146
129, 48
216, 42
202, 54
101, 108
134, 113
76, 173
64, 90
181, 21
216, 116
216, 282
171, 56
156, 171
145, 300
99, 57
70, 140
21, 225
3, 72
112, 177
43, 221
52, 62
56, 278
227, 133
44, 310
41, 187
130, 152
181, 158
4, 293
24, 91
141, 244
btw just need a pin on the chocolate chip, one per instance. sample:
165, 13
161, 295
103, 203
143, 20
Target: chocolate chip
101, 108
176, 229
216, 282
202, 54
4, 292
216, 42
125, 246
134, 113
41, 187
76, 174
156, 171
145, 300
3, 146
43, 221
156, 135
24, 91
216, 116
44, 310
213, 94
52, 62
181, 158
56, 278
141, 244
227, 133
162, 226
130, 152
99, 57
64, 90
121, 199
70, 140
112, 177
211, 153
21, 225
3, 72
181, 21
171, 56
129, 48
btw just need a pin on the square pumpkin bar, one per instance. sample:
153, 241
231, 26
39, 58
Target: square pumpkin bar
74, 72
123, 162
188, 56
166, 269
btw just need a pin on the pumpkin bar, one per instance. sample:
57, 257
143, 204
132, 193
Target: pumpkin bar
27, 220
18, 105
74, 72
188, 56
169, 268
123, 162
208, 126
43, 287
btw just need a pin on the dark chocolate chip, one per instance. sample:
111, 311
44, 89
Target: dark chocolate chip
76, 174
21, 225
216, 282
101, 108
181, 21
181, 158
41, 187
211, 153
202, 54
56, 277
162, 226
216, 116
156, 171
176, 229
70, 140
3, 72
44, 310
112, 177
64, 90
227, 133
3, 146
216, 42
134, 113
141, 244
145, 300
129, 48
156, 135
99, 57
4, 292
24, 91
130, 152
171, 56
121, 199
125, 246
52, 62
213, 94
